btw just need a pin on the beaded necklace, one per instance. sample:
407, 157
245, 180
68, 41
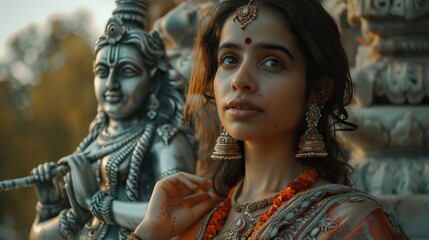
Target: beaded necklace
250, 207
302, 182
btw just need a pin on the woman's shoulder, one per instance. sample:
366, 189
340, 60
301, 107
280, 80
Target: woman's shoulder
332, 209
335, 199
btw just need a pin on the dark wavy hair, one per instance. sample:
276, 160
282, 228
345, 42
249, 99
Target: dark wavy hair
319, 40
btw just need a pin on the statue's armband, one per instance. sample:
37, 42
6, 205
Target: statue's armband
166, 132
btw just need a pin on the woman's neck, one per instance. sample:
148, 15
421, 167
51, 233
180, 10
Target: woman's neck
270, 165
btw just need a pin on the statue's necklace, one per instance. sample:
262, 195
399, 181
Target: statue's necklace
216, 222
105, 138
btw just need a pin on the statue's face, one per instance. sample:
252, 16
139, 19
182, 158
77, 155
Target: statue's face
121, 80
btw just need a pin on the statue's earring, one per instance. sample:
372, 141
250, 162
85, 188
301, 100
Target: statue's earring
311, 143
226, 148
153, 105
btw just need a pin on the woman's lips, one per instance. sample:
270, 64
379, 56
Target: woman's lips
240, 108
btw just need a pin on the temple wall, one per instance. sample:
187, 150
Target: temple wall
388, 43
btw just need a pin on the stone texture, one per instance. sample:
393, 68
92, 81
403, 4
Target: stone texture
390, 150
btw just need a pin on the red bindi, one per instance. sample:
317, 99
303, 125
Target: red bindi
248, 40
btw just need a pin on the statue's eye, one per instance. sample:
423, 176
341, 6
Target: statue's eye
130, 70
101, 72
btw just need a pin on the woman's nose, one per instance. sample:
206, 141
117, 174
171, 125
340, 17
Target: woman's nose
112, 82
243, 80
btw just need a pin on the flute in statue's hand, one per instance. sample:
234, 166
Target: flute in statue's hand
47, 171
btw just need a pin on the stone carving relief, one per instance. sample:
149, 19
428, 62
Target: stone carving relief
387, 127
406, 9
390, 150
399, 81
407, 132
391, 62
391, 175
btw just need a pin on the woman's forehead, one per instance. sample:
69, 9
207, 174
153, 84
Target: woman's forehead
268, 26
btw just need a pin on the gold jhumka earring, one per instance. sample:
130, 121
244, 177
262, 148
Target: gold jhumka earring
311, 143
226, 148
245, 14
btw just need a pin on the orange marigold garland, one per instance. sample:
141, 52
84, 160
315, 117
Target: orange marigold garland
218, 218
303, 182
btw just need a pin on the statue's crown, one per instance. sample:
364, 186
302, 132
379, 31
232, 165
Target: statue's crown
132, 12
128, 14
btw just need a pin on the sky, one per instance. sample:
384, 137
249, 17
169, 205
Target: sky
17, 14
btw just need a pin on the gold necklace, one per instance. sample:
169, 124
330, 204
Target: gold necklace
240, 227
243, 225
250, 207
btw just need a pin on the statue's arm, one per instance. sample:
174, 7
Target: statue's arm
177, 155
48, 229
128, 214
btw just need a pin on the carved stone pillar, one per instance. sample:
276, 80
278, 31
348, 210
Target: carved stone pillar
391, 147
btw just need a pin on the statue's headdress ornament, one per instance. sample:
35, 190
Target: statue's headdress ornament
132, 12
128, 14
128, 22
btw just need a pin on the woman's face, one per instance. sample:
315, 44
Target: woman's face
121, 80
261, 78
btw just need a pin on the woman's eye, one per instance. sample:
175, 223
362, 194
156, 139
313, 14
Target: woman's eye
228, 60
273, 63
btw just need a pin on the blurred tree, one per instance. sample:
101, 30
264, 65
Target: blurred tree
55, 117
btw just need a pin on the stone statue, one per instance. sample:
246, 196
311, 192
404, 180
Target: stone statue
177, 29
136, 138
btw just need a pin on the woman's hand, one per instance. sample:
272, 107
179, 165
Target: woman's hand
172, 209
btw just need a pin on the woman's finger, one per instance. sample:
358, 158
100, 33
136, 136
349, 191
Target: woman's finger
181, 184
198, 180
190, 180
195, 199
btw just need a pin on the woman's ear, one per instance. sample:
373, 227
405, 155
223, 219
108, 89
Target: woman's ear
322, 91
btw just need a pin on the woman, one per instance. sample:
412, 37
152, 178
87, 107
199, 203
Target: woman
278, 76
137, 137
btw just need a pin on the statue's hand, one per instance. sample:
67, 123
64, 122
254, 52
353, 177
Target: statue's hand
84, 183
49, 187
82, 215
